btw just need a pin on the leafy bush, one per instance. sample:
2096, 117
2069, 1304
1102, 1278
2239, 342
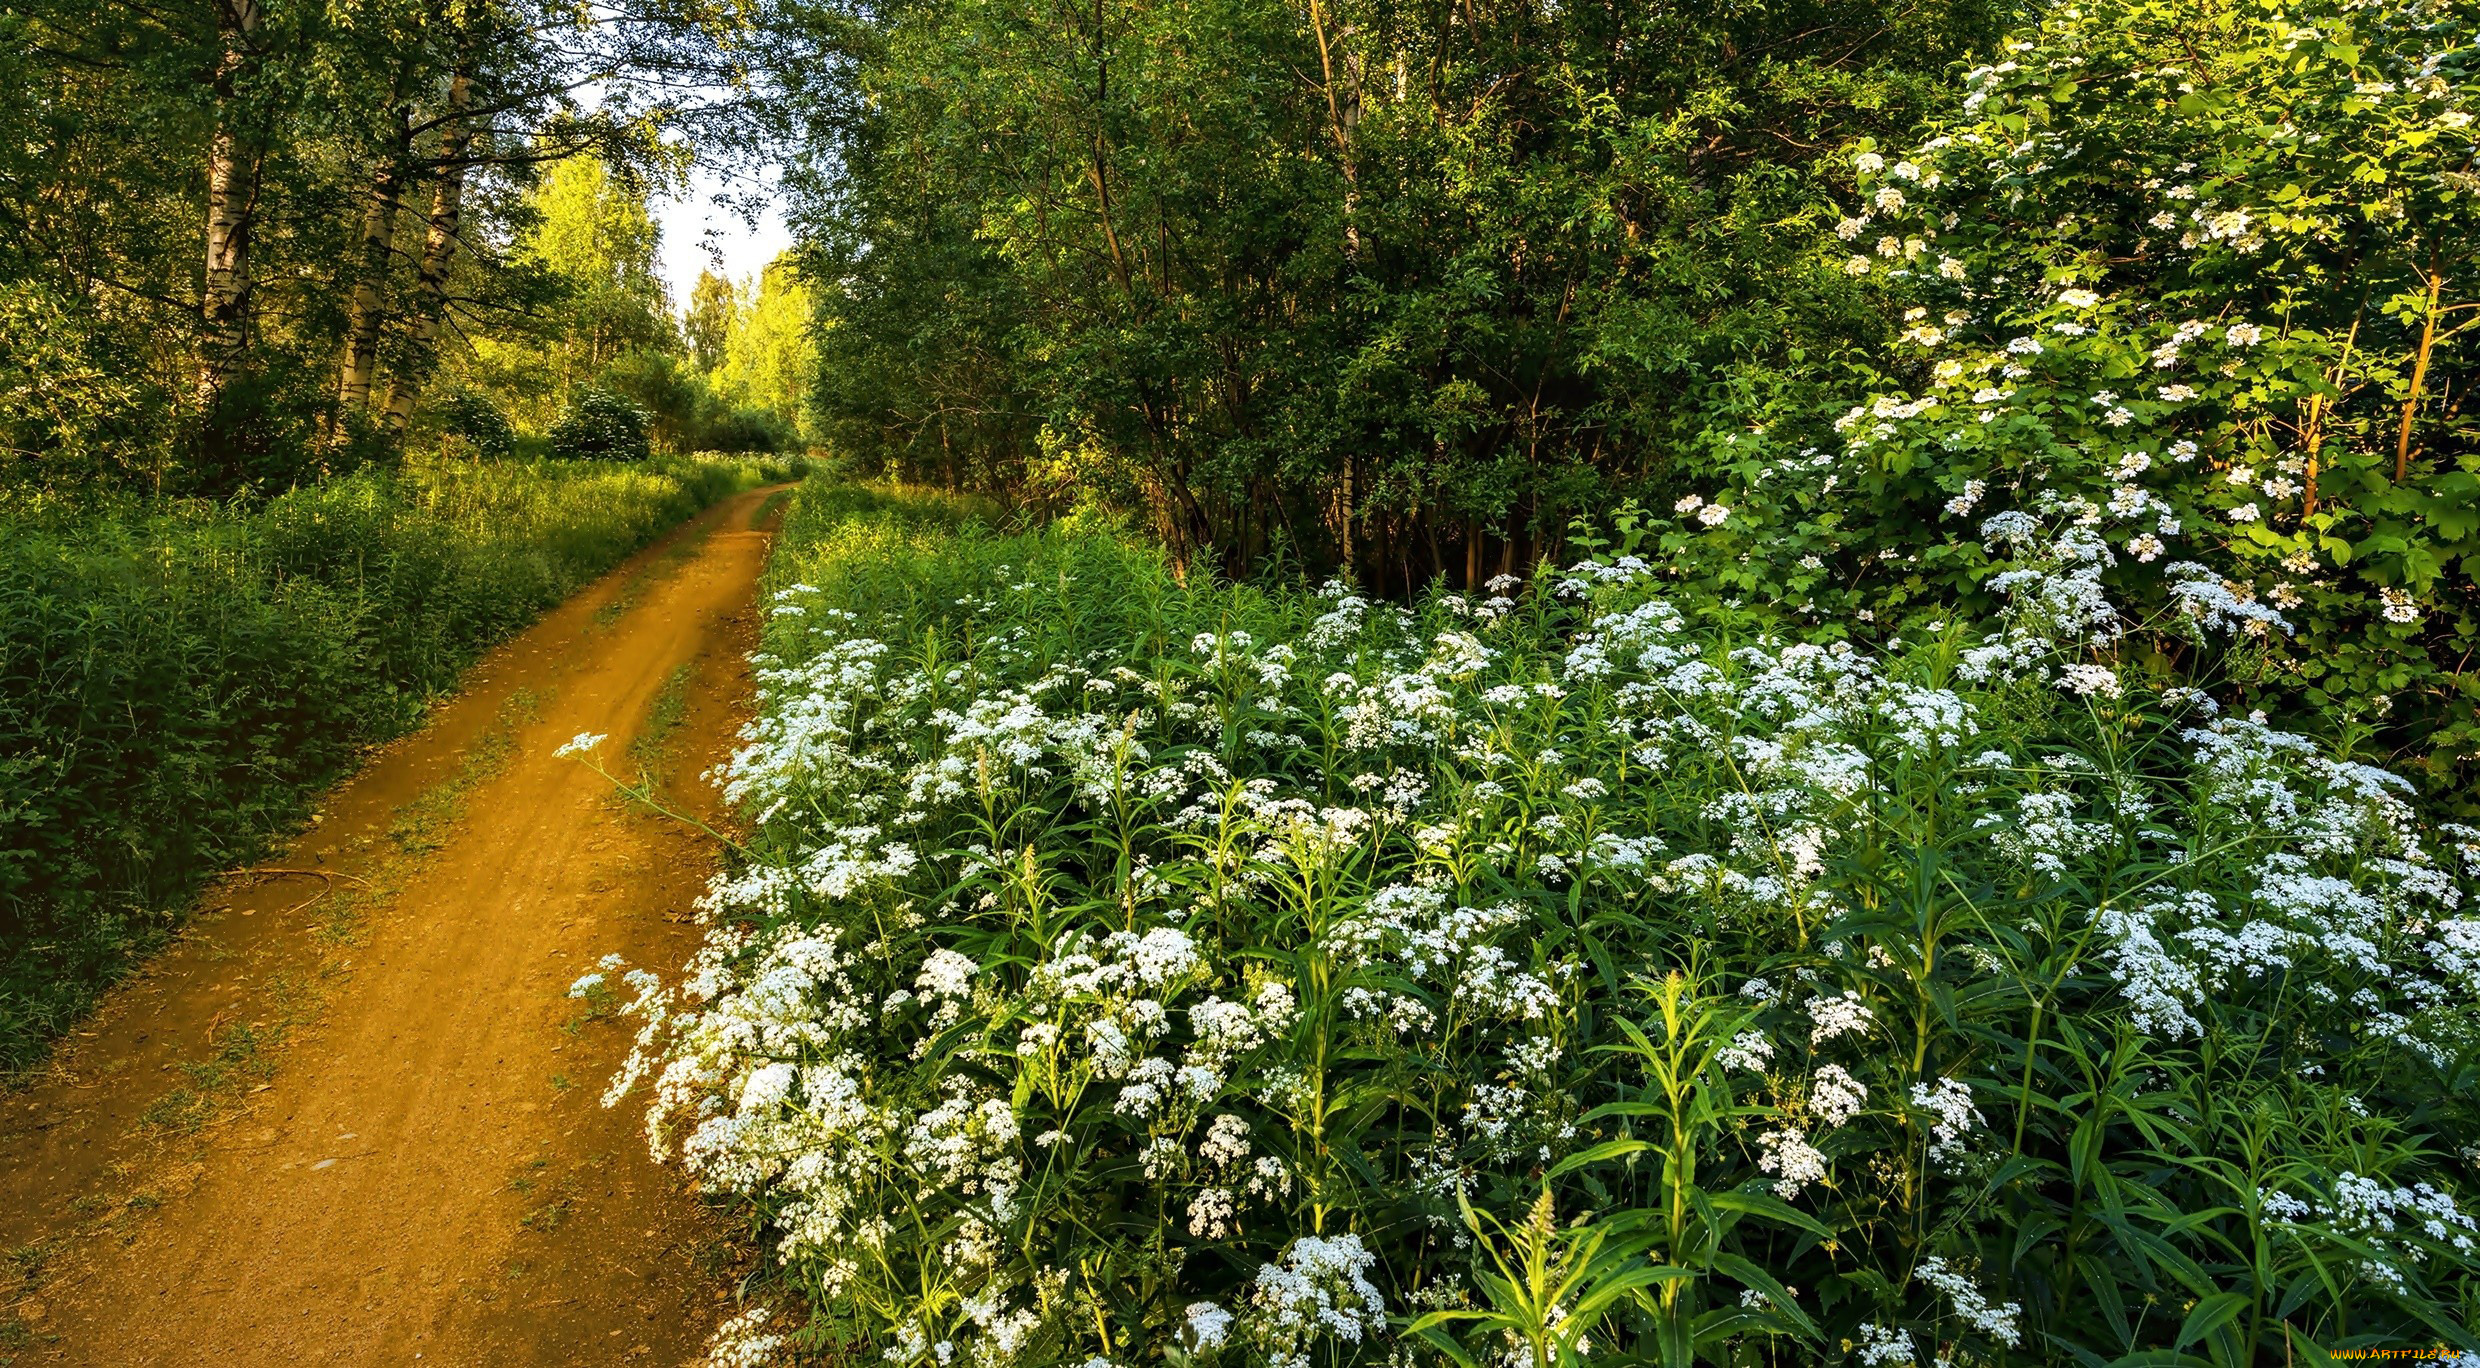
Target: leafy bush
472, 425
669, 396
71, 410
730, 427
1132, 969
600, 426
684, 411
177, 681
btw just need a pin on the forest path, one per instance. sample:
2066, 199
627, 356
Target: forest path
356, 1119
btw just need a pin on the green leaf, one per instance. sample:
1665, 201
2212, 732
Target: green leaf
1767, 1206
1429, 1330
1780, 1300
1608, 1149
2210, 1314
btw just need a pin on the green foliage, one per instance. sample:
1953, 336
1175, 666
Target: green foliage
671, 399
1369, 282
1129, 965
595, 236
729, 376
2201, 276
177, 682
595, 231
381, 157
600, 426
707, 323
689, 411
71, 412
471, 425
739, 428
769, 360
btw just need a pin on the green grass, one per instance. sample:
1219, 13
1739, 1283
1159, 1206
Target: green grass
774, 503
645, 577
240, 1055
421, 825
596, 1003
651, 752
179, 680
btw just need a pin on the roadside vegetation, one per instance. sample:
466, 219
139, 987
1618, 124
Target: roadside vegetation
1520, 683
419, 223
178, 681
430, 381
1132, 968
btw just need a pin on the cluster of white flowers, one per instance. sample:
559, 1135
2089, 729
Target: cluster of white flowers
1793, 1161
1995, 1321
2030, 389
1843, 1014
1748, 1052
1835, 1097
1413, 930
1319, 1290
746, 1341
2403, 1228
1884, 1346
1025, 920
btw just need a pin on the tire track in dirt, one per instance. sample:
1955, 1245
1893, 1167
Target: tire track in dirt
355, 1119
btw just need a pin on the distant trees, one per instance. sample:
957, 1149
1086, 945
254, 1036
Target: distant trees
594, 235
730, 375
708, 319
238, 236
769, 358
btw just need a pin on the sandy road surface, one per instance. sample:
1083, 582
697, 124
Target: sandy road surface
366, 1130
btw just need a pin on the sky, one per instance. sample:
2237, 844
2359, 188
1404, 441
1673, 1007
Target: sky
696, 231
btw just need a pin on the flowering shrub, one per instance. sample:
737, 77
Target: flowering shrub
600, 425
471, 425
2201, 276
1124, 971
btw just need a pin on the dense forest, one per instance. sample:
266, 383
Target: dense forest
1401, 287
333, 349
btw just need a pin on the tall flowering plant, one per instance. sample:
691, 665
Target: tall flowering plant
2204, 277
1128, 971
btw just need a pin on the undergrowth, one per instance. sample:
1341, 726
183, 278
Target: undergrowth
1127, 970
177, 681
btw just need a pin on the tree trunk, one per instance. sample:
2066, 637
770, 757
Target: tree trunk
378, 243
1343, 118
232, 207
438, 250
1098, 169
2419, 374
1345, 518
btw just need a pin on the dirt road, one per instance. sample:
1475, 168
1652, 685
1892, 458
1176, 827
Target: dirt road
353, 1116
